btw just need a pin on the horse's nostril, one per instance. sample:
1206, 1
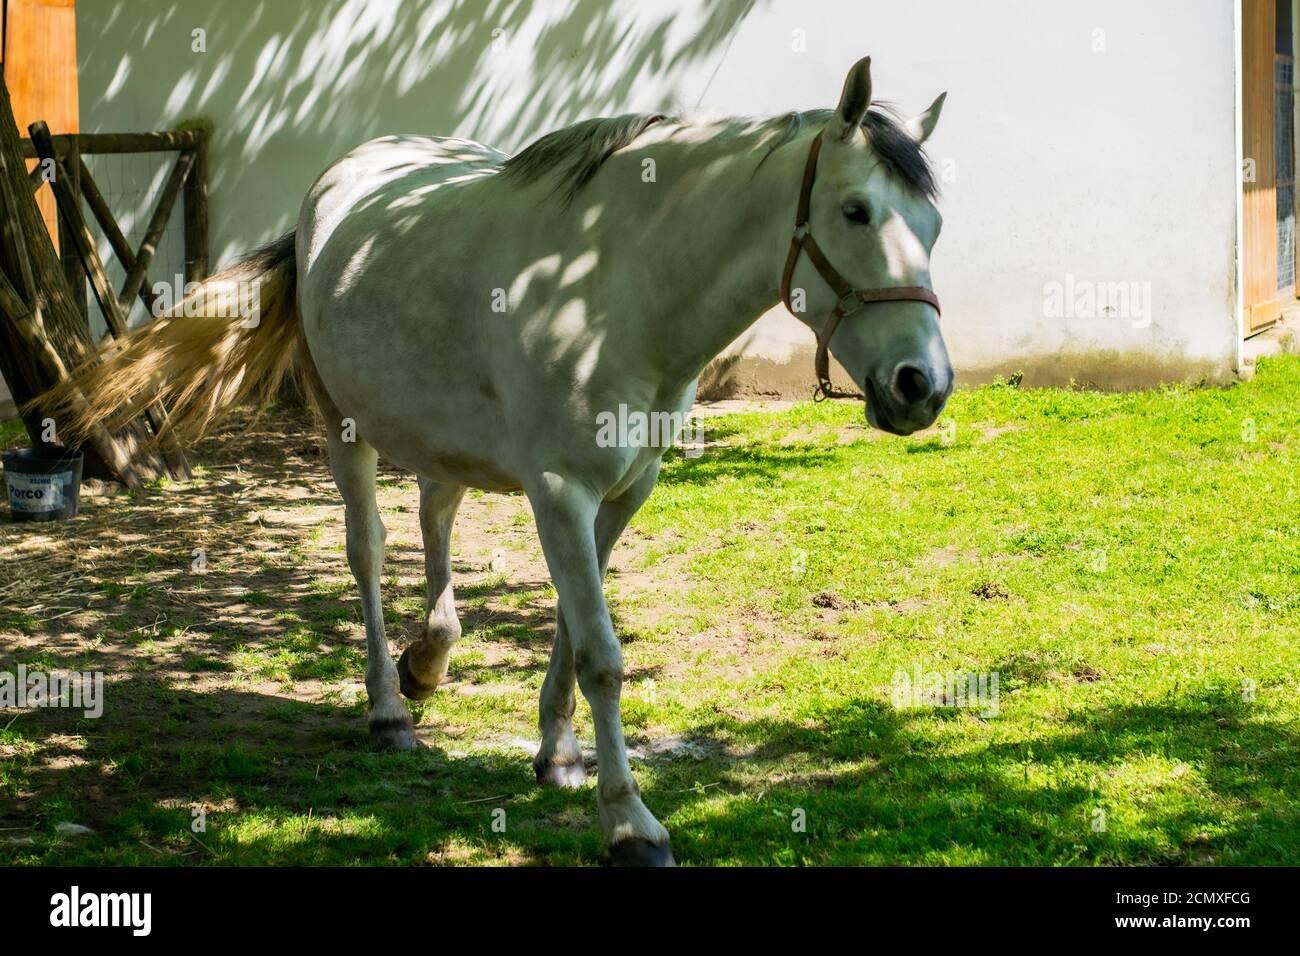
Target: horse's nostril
912, 385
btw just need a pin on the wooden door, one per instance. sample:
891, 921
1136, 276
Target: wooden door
40, 69
1263, 306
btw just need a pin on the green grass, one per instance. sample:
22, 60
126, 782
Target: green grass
1126, 564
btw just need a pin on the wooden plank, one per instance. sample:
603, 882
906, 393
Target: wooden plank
1259, 257
79, 233
27, 254
44, 354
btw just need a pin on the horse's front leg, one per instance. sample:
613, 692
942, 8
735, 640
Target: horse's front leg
566, 517
559, 758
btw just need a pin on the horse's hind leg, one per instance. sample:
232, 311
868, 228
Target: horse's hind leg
353, 464
559, 758
423, 665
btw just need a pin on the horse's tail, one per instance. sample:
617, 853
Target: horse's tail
229, 341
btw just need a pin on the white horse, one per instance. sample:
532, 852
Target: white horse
468, 315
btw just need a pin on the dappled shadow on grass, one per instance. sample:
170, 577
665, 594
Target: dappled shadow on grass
765, 463
277, 781
290, 782
876, 787
246, 560
240, 681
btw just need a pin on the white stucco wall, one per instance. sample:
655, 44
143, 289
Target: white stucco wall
1060, 159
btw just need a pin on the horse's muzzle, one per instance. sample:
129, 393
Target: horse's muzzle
912, 400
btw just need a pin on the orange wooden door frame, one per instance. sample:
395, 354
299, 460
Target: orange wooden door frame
40, 68
1262, 305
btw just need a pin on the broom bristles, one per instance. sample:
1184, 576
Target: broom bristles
228, 343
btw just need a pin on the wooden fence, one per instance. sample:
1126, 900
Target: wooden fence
45, 329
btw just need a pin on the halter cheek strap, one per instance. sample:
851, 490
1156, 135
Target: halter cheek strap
850, 300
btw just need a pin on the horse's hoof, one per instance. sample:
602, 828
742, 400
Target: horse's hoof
393, 734
411, 686
636, 851
568, 776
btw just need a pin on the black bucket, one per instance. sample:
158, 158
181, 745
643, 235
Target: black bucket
44, 483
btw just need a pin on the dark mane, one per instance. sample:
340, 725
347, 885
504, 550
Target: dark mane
574, 154
903, 156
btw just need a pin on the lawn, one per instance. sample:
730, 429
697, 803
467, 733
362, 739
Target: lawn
1126, 567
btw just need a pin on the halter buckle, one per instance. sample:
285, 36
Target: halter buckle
856, 303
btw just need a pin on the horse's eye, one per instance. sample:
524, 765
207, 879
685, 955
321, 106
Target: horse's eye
856, 212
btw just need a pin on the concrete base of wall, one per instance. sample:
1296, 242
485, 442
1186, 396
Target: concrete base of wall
791, 376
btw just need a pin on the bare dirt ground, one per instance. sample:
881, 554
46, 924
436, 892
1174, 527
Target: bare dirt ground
234, 587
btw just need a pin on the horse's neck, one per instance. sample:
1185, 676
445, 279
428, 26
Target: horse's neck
714, 233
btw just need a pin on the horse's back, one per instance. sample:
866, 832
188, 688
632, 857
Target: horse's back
382, 315
371, 182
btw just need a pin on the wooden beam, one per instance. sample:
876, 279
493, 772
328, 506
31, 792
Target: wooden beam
67, 254
78, 233
197, 254
96, 143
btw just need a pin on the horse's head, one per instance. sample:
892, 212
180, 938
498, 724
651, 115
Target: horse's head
872, 212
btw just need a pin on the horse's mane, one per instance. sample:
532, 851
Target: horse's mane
903, 156
575, 153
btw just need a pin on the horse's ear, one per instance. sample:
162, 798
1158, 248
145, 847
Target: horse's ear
920, 127
853, 102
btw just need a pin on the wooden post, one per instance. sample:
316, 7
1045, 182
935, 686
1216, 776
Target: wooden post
196, 209
67, 254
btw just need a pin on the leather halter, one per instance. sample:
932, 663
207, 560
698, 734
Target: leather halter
850, 300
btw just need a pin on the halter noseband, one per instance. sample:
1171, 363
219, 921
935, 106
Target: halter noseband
850, 299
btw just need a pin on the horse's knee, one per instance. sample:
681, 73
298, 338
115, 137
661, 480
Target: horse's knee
365, 539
